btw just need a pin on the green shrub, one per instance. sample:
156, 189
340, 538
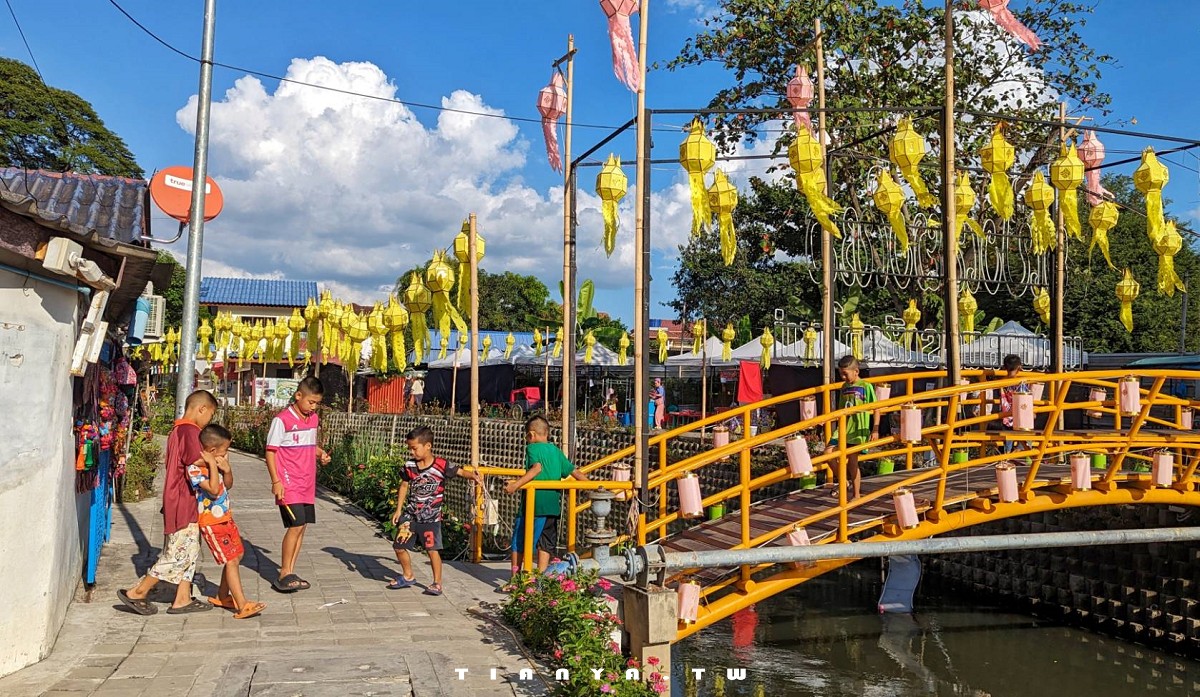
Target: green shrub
145, 455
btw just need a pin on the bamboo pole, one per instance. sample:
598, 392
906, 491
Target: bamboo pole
472, 241
641, 304
827, 279
703, 377
569, 310
949, 222
1060, 265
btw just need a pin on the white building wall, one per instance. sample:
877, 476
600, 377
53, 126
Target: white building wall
40, 515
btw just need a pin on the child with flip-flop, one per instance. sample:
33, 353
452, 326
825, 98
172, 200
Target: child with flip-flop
212, 483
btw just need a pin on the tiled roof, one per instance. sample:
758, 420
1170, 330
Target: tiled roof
112, 207
264, 292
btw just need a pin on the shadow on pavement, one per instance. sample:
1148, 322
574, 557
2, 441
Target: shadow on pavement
368, 566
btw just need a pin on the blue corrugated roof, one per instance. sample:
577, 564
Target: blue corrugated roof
264, 292
113, 207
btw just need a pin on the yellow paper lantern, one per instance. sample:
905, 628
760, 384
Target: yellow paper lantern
906, 150
1041, 304
1103, 217
395, 317
1150, 177
697, 154
281, 332
509, 342
623, 348
485, 347
807, 158
1039, 196
810, 345
1127, 292
697, 336
767, 340
911, 316
964, 201
889, 199
462, 252
417, 300
558, 344
722, 199
967, 307
727, 336
857, 329
439, 278
664, 343
1166, 247
537, 341
378, 330
204, 332
611, 185
589, 343
997, 157
1066, 174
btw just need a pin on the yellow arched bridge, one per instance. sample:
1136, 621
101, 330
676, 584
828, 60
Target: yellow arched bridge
1137, 438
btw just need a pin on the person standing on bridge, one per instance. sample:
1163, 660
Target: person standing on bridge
860, 426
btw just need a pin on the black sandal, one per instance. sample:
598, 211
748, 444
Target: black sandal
194, 606
289, 584
139, 605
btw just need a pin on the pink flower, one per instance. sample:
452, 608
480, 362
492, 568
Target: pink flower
558, 654
606, 688
553, 603
614, 646
652, 661
604, 584
569, 586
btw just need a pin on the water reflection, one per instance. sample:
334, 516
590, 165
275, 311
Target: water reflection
824, 638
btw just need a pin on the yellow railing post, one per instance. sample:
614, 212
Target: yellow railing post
527, 534
944, 460
477, 530
1134, 426
572, 522
843, 511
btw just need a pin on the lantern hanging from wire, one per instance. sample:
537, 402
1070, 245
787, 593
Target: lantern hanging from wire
462, 252
1007, 21
1102, 219
295, 324
1127, 292
912, 315
1150, 177
727, 336
537, 341
620, 36
964, 201
722, 199
1039, 196
611, 185
808, 160
800, 94
1066, 174
889, 199
395, 317
697, 154
559, 341
509, 342
378, 330
698, 336
1166, 247
281, 336
767, 340
1041, 304
810, 346
1091, 152
997, 157
857, 329
485, 348
204, 332
589, 346
967, 306
552, 104
664, 343
906, 150
358, 334
439, 278
418, 300
623, 349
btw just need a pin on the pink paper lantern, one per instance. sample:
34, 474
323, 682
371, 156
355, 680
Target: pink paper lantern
798, 457
552, 104
1006, 482
1022, 406
689, 496
1130, 395
910, 423
798, 537
808, 408
1091, 151
1038, 389
883, 392
1097, 394
1007, 21
620, 35
620, 473
800, 94
1081, 471
988, 396
1163, 468
906, 509
1185, 419
688, 596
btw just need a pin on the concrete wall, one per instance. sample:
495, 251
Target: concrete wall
40, 515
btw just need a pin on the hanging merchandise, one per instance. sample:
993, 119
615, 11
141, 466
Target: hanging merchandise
1127, 292
1166, 247
697, 154
889, 199
767, 340
1091, 152
964, 201
623, 349
808, 160
462, 252
552, 104
395, 317
664, 343
857, 329
1150, 178
906, 150
620, 35
997, 157
589, 343
1102, 219
800, 94
1066, 174
912, 315
418, 300
509, 342
611, 185
967, 306
727, 336
1007, 21
1041, 304
722, 199
1039, 196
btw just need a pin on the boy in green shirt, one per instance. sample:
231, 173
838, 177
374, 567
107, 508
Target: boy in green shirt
543, 461
860, 427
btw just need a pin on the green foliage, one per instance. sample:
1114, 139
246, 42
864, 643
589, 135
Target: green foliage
567, 620
145, 455
249, 428
173, 294
162, 413
56, 130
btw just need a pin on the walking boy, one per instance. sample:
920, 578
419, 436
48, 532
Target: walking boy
212, 480
292, 455
177, 560
419, 507
860, 426
545, 462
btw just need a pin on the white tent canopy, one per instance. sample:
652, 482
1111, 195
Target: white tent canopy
463, 358
712, 347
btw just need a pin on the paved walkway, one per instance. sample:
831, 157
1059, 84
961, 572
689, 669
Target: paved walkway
347, 635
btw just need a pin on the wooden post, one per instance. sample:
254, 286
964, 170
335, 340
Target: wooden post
827, 277
569, 310
949, 222
1060, 267
703, 376
641, 273
472, 236
546, 376
453, 383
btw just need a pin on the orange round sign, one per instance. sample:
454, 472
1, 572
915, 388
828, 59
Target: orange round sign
171, 189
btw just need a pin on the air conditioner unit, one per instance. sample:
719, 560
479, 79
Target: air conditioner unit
158, 313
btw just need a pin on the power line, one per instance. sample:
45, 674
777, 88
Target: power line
22, 33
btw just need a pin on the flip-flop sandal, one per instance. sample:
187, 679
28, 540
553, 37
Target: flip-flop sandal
401, 582
304, 585
289, 584
251, 610
194, 606
139, 605
435, 589
227, 604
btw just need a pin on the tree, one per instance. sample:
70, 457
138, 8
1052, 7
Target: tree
173, 293
56, 130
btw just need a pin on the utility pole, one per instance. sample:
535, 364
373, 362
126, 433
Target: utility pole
185, 380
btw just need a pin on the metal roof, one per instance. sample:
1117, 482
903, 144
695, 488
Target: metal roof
263, 292
113, 208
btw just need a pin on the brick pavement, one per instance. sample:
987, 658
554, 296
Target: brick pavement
376, 642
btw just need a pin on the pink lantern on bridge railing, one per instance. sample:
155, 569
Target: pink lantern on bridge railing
988, 396
798, 457
808, 408
906, 509
883, 392
798, 537
620, 473
688, 597
1097, 394
720, 438
910, 423
1163, 468
1081, 471
1185, 419
1038, 389
1006, 482
1022, 411
1129, 396
689, 496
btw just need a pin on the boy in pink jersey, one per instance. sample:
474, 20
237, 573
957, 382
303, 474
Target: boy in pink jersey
292, 455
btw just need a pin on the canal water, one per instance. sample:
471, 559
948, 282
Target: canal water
825, 638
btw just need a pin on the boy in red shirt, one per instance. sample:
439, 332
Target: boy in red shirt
292, 455
177, 561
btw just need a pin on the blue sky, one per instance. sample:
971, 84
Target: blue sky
359, 208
